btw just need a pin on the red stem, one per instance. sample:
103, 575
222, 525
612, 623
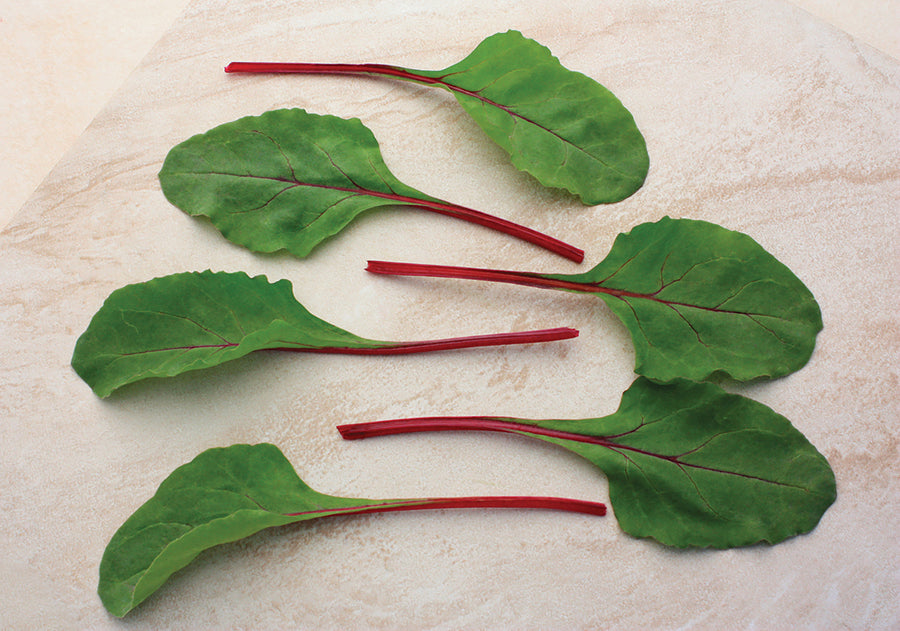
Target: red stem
358, 431
530, 279
474, 341
277, 67
539, 239
513, 501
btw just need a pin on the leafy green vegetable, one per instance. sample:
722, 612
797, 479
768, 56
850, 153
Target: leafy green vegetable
696, 298
562, 127
288, 180
226, 494
688, 464
195, 320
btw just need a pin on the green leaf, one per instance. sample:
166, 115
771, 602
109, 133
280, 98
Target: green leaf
561, 126
288, 180
698, 299
194, 320
222, 495
691, 465
284, 180
688, 464
226, 494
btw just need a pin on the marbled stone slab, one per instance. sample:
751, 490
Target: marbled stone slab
757, 117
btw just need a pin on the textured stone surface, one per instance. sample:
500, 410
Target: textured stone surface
61, 61
757, 117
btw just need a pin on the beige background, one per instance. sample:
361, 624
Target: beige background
758, 117
63, 59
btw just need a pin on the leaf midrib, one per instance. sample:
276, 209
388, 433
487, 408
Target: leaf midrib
502, 425
474, 94
540, 280
359, 190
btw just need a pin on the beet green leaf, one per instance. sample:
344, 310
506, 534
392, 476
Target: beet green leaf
562, 127
288, 180
697, 299
688, 464
226, 494
196, 320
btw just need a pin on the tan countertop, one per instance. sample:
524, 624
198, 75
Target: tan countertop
757, 116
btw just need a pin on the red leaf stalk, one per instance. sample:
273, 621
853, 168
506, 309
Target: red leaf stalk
551, 244
530, 279
279, 67
504, 501
453, 343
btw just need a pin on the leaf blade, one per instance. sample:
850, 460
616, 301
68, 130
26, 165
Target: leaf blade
223, 495
690, 465
699, 299
286, 179
195, 320
562, 127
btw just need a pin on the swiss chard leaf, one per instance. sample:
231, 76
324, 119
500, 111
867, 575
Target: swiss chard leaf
288, 180
226, 494
194, 320
688, 464
561, 126
696, 298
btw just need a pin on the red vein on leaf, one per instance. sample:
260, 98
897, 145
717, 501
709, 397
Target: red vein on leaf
404, 348
437, 206
180, 348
